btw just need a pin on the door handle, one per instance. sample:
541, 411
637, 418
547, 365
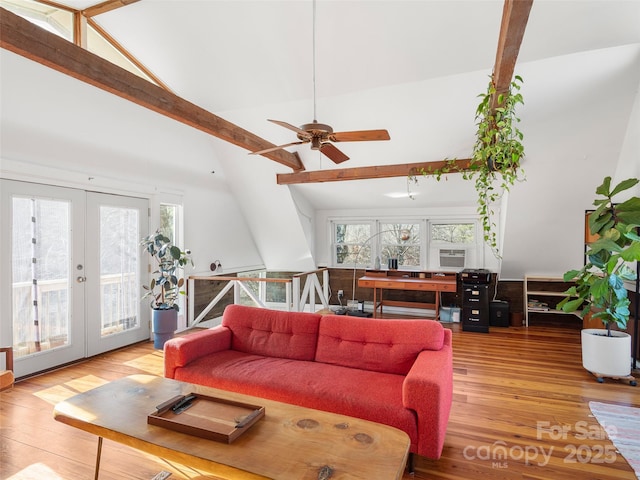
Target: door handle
81, 279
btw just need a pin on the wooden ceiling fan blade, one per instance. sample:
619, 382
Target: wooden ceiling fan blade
333, 153
299, 131
360, 136
272, 149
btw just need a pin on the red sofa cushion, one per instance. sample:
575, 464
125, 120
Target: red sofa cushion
272, 333
379, 345
357, 393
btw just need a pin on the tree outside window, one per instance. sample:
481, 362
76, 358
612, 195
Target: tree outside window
453, 233
359, 243
168, 221
401, 241
351, 245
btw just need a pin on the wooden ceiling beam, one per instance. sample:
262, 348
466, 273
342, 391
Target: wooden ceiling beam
515, 15
367, 173
105, 7
24, 38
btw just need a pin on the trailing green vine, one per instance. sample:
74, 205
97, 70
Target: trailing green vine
497, 153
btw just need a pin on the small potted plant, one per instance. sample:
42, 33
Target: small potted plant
165, 286
599, 288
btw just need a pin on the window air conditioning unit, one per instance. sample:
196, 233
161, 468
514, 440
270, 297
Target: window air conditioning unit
452, 258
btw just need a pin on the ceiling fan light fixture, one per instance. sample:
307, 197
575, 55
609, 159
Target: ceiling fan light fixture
316, 143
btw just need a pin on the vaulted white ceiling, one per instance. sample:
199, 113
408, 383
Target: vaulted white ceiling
228, 55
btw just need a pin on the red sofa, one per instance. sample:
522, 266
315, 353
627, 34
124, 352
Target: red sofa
395, 372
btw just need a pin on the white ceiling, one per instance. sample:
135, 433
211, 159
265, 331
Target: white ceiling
227, 55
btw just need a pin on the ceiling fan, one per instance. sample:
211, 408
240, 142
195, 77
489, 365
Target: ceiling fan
320, 135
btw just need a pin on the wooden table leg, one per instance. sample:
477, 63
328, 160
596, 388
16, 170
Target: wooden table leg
375, 302
98, 458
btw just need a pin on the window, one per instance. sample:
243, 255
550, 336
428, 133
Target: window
59, 20
453, 246
171, 227
427, 244
400, 241
359, 244
351, 246
169, 217
55, 20
453, 233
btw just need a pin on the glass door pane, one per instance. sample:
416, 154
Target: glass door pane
42, 241
119, 278
115, 315
41, 255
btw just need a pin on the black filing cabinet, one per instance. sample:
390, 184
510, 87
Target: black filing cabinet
475, 302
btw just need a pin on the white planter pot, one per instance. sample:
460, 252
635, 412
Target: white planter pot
609, 356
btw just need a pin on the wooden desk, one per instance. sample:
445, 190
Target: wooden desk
398, 281
290, 442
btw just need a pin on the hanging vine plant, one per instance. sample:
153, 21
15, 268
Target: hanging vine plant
495, 163
497, 153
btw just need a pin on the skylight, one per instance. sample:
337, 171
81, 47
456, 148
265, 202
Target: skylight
60, 21
54, 20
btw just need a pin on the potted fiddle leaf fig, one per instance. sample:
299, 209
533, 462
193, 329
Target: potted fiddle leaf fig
599, 289
165, 285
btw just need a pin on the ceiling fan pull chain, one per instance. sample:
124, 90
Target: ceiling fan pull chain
313, 55
319, 135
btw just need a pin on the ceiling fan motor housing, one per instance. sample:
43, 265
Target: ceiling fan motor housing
316, 132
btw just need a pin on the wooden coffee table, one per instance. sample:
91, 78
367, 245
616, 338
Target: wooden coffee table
290, 442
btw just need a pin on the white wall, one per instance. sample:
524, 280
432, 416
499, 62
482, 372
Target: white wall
269, 209
61, 131
629, 164
575, 126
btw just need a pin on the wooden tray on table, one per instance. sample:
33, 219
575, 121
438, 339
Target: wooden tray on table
207, 417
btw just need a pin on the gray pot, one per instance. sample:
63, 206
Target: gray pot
164, 323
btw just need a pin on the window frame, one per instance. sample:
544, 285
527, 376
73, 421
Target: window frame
427, 247
373, 241
473, 250
334, 241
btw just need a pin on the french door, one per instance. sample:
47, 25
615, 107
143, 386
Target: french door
70, 273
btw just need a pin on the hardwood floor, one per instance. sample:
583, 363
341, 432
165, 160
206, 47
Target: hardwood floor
517, 391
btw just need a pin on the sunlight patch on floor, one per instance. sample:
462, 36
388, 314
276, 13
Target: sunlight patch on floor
148, 363
59, 393
36, 471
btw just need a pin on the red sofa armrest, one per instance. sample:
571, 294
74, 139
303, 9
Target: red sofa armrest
428, 390
180, 351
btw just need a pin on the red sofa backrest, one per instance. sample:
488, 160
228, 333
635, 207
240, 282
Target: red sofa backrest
380, 345
272, 333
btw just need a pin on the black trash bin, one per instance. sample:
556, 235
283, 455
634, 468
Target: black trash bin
499, 313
